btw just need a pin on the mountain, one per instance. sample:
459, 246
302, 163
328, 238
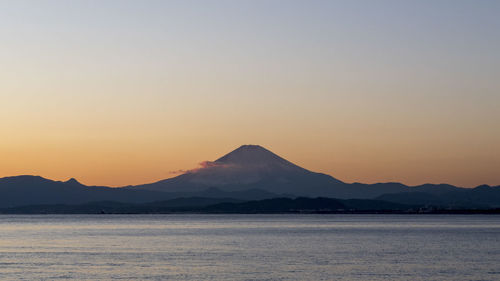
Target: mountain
250, 172
35, 190
481, 197
249, 167
252, 167
29, 190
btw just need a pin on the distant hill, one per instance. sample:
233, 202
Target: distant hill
212, 205
28, 190
250, 172
231, 206
192, 204
304, 205
35, 190
479, 197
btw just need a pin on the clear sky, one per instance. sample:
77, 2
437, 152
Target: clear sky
125, 92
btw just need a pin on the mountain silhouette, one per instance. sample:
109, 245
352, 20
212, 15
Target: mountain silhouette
35, 190
252, 167
28, 190
250, 172
249, 167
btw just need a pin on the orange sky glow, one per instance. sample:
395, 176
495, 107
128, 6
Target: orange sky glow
131, 92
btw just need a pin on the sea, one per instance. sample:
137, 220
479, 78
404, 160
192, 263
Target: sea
250, 247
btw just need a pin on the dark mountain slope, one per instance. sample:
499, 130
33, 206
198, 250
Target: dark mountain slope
27, 190
480, 197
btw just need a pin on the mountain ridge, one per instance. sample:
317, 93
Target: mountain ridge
249, 172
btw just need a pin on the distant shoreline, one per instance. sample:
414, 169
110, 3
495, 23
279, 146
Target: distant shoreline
388, 212
200, 205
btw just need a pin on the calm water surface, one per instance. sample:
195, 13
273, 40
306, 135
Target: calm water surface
250, 247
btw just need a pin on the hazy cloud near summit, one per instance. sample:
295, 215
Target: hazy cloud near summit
202, 166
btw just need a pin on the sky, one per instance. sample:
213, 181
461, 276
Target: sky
128, 92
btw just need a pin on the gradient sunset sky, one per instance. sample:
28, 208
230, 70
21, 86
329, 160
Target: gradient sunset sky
127, 92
